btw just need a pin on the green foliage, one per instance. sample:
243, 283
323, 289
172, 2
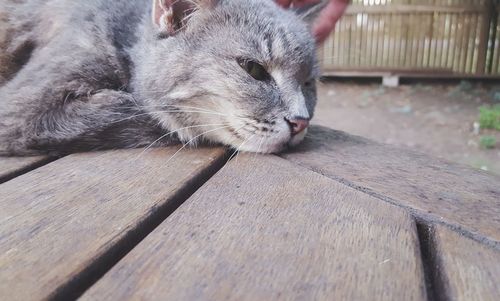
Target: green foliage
488, 142
489, 117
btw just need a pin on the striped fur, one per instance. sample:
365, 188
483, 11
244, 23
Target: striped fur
98, 74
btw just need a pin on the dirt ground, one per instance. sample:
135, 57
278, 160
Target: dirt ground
435, 118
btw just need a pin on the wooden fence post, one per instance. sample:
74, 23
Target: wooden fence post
493, 38
484, 37
440, 39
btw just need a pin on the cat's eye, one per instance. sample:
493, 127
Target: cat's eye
309, 83
255, 69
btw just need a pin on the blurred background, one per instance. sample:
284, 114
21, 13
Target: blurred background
420, 74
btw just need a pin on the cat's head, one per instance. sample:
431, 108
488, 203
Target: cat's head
237, 72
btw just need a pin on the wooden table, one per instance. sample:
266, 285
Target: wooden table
339, 218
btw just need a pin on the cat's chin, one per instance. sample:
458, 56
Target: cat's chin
265, 148
273, 146
297, 139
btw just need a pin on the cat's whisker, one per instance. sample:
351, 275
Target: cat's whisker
185, 111
241, 145
314, 9
236, 151
173, 111
181, 106
260, 146
177, 130
165, 97
193, 107
126, 78
197, 110
193, 139
175, 106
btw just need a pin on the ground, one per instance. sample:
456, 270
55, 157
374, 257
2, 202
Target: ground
435, 118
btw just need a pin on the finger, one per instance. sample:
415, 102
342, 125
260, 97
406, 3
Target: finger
328, 18
284, 3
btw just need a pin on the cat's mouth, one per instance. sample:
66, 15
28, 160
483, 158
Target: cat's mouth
263, 138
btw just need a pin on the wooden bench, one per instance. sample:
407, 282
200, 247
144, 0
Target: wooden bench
339, 218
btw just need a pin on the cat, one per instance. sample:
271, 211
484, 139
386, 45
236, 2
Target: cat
98, 74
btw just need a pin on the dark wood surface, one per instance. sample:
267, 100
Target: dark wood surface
58, 220
340, 217
467, 269
433, 190
281, 234
11, 167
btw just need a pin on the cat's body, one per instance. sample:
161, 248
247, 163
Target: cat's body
83, 75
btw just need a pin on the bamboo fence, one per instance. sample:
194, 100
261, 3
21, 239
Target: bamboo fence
437, 38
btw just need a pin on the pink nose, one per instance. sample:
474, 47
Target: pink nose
297, 125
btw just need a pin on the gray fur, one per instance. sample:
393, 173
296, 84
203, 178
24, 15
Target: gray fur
84, 75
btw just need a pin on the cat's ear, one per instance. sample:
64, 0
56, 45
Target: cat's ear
310, 12
170, 16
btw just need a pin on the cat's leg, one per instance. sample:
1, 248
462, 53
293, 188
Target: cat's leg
57, 104
12, 61
104, 120
16, 42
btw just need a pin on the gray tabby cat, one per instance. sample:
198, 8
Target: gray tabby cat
98, 74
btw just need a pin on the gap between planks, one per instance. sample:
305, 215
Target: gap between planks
456, 267
77, 285
433, 284
249, 253
16, 172
437, 282
416, 214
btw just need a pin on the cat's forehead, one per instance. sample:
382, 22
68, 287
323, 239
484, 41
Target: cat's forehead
284, 44
261, 29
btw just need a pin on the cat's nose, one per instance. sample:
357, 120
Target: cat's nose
297, 124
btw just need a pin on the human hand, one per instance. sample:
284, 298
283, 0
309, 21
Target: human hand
327, 19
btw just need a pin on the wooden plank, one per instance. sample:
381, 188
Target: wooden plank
431, 46
495, 44
484, 35
431, 188
465, 44
343, 41
446, 40
61, 223
13, 166
453, 39
380, 40
474, 47
371, 41
265, 229
405, 62
419, 27
467, 270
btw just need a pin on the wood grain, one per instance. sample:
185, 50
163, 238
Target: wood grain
12, 166
58, 220
468, 270
265, 229
432, 189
